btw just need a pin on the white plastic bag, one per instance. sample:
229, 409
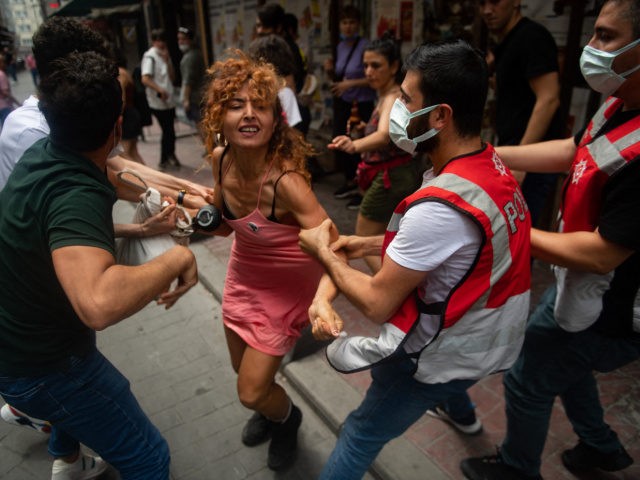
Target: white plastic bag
135, 251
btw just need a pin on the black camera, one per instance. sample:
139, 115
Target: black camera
208, 218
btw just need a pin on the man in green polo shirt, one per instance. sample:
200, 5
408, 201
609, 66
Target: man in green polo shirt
59, 282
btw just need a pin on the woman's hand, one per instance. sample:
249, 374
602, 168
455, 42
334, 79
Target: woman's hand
338, 88
326, 324
344, 143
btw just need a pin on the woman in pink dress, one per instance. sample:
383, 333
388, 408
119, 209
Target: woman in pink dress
263, 191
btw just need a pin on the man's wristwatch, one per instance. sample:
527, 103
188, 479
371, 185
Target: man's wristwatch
181, 194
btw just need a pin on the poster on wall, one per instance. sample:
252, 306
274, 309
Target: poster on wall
406, 21
386, 18
403, 19
231, 23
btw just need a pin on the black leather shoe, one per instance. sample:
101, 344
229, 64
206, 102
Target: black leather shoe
284, 441
257, 430
584, 457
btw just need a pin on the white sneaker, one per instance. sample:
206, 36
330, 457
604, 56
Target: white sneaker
84, 468
472, 428
16, 417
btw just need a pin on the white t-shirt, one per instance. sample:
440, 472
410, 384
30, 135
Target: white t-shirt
155, 66
22, 128
439, 240
290, 106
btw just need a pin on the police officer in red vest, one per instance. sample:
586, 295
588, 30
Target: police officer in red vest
590, 320
452, 294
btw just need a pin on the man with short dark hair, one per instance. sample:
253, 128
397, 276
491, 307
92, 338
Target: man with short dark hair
453, 291
192, 71
157, 77
589, 320
527, 89
56, 229
271, 20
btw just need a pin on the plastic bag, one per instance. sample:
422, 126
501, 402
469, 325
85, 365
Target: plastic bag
136, 251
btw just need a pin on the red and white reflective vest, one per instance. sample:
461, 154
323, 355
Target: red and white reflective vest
479, 328
598, 156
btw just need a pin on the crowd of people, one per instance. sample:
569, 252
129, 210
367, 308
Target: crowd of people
449, 245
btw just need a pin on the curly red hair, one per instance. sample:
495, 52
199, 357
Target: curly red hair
226, 77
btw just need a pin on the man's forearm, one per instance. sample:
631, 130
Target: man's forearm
167, 185
553, 156
583, 251
128, 230
353, 284
148, 82
103, 293
539, 121
126, 290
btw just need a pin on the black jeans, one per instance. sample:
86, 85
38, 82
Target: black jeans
166, 119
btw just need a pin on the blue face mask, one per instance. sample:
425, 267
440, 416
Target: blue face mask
348, 38
398, 122
596, 67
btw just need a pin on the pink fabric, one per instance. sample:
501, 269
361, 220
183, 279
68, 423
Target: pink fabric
270, 284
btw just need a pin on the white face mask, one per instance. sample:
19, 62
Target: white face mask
183, 47
596, 68
398, 122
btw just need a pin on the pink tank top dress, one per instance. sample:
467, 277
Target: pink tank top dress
270, 283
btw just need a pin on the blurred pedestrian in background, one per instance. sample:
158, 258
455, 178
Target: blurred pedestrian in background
30, 63
386, 174
525, 63
131, 119
158, 77
350, 91
7, 100
274, 50
192, 71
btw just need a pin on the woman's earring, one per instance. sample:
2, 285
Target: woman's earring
220, 140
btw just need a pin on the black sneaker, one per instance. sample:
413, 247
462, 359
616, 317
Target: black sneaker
284, 440
354, 203
492, 467
257, 430
584, 457
345, 191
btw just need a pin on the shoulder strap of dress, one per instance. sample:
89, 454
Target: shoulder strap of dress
264, 178
275, 190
